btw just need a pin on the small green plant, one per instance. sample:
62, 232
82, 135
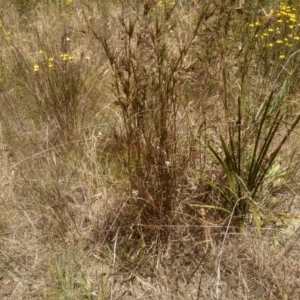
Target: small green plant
67, 282
248, 150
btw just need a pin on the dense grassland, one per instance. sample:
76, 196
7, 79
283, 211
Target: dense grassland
149, 149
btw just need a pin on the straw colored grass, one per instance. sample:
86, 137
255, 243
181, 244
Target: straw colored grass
149, 150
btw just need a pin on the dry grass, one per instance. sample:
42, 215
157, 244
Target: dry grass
147, 151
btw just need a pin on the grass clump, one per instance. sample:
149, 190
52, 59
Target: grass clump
149, 107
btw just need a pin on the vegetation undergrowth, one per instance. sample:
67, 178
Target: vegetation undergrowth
140, 139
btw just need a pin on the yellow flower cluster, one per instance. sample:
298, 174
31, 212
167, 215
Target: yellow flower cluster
7, 35
49, 62
68, 1
36, 67
165, 3
280, 28
65, 57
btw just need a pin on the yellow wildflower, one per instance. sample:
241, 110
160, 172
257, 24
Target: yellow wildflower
50, 62
35, 67
64, 56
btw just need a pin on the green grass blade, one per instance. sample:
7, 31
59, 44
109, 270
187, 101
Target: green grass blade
218, 158
258, 163
255, 217
216, 207
216, 188
230, 166
258, 138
